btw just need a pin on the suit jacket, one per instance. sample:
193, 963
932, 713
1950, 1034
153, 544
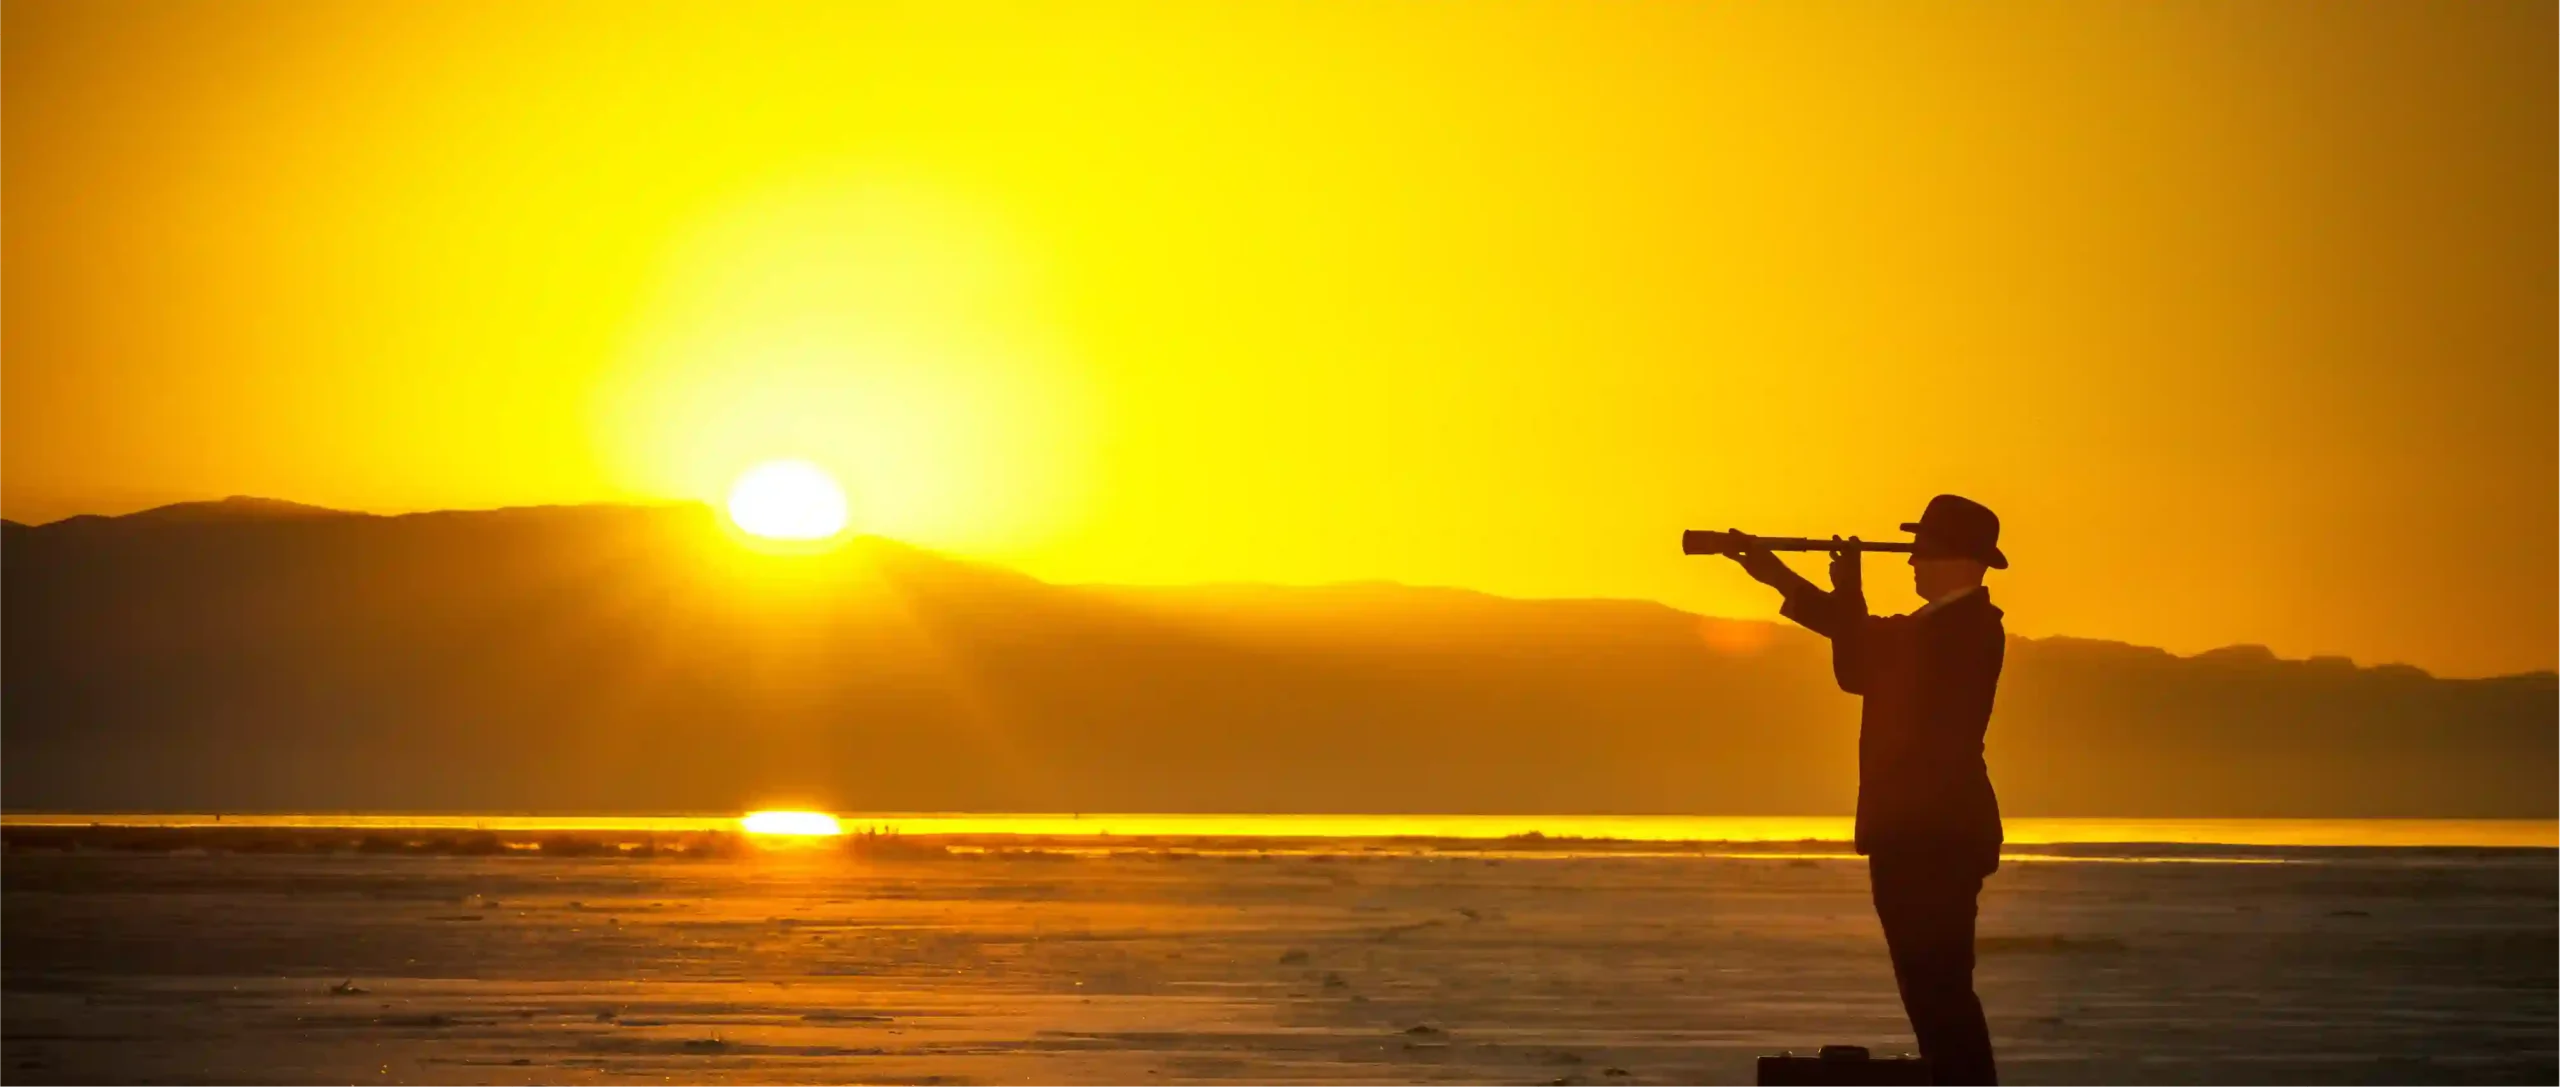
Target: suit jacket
1927, 680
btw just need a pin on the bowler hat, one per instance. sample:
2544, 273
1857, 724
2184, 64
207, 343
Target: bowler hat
1959, 527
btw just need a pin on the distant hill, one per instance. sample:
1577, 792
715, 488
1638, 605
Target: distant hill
253, 655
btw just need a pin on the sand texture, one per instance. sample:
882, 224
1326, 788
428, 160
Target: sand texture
1154, 962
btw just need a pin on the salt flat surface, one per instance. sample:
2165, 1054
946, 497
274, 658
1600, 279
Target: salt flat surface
1146, 965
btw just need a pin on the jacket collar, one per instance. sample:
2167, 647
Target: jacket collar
1977, 596
1956, 597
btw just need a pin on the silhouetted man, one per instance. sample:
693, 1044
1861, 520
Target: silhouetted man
1927, 820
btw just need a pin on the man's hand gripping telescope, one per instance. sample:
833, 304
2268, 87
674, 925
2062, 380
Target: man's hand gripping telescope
1756, 555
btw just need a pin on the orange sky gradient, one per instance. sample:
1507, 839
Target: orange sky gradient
2241, 315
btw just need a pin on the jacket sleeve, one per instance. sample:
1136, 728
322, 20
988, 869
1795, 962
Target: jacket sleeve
1841, 617
1829, 614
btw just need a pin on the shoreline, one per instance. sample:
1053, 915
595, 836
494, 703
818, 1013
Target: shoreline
731, 843
1532, 831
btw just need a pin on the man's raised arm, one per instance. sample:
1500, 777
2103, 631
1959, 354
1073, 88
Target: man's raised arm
1830, 614
1840, 615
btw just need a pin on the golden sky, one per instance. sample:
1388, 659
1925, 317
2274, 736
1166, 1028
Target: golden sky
2241, 314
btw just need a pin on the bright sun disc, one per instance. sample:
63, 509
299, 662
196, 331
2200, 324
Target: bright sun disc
787, 500
800, 823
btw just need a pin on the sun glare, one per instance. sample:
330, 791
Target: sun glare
787, 500
803, 824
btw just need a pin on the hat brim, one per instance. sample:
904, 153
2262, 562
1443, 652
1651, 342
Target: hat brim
1994, 560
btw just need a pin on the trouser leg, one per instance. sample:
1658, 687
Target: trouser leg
1928, 914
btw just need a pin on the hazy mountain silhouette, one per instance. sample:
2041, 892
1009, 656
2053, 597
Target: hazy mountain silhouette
256, 655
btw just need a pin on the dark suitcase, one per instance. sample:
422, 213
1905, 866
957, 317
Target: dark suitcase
1842, 1066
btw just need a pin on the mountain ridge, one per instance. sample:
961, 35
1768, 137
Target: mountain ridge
637, 658
256, 508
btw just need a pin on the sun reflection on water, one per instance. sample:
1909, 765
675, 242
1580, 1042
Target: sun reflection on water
795, 824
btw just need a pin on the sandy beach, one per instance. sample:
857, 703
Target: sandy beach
1205, 961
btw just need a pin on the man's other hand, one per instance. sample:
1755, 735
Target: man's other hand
1758, 562
1847, 576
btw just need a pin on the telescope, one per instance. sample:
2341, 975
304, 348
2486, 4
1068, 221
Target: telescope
1705, 542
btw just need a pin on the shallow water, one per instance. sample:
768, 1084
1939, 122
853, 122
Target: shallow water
2529, 833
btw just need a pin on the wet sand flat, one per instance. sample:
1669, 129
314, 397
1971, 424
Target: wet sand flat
1140, 962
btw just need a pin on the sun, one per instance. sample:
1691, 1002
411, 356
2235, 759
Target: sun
787, 500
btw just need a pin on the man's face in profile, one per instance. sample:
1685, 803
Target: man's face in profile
1934, 576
